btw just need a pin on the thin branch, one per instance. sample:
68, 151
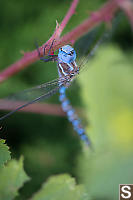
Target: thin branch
60, 28
68, 15
39, 108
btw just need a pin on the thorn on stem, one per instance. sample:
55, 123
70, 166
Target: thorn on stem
57, 24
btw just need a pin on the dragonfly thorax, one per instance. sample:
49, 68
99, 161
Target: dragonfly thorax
68, 70
67, 66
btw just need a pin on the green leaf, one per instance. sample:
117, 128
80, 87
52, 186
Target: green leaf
107, 94
12, 177
61, 187
4, 153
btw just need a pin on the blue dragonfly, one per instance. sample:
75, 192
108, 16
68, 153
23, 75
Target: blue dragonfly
67, 70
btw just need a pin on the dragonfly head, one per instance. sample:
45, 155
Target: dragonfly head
67, 54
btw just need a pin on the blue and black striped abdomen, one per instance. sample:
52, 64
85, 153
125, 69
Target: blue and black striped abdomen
72, 116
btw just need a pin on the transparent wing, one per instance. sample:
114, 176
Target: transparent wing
82, 62
33, 95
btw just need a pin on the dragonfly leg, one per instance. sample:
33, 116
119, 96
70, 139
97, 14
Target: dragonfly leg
49, 49
49, 57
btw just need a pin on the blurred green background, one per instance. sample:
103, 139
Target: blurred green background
104, 90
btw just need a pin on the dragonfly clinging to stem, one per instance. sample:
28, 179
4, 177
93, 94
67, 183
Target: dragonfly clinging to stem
67, 70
